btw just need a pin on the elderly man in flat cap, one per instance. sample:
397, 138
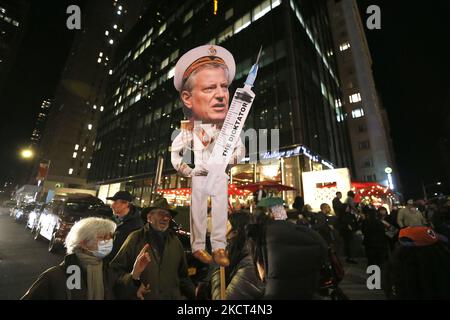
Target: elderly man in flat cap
202, 77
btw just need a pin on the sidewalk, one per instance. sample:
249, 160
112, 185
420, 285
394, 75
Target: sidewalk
354, 282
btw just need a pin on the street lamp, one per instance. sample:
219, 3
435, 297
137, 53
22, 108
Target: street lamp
26, 153
388, 171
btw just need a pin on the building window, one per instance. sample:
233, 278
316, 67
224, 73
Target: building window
186, 31
174, 55
106, 33
261, 10
89, 126
84, 149
74, 155
370, 178
162, 28
344, 46
368, 163
70, 171
188, 16
357, 113
164, 63
228, 32
362, 128
101, 109
242, 23
111, 41
89, 165
229, 14
171, 73
76, 147
364, 145
356, 97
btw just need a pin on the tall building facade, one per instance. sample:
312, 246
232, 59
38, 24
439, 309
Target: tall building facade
367, 120
13, 15
297, 91
36, 135
78, 102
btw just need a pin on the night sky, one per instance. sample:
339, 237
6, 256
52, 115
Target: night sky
33, 78
410, 61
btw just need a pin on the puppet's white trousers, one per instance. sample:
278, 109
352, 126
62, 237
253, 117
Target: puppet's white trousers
219, 213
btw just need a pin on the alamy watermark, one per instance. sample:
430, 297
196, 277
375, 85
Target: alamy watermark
374, 20
374, 280
74, 20
74, 277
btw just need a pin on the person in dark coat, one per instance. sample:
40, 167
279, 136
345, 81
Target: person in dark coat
88, 242
298, 204
166, 276
242, 282
338, 206
323, 225
347, 228
288, 257
128, 219
419, 267
375, 240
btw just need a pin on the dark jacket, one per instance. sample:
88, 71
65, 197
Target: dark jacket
338, 207
242, 282
295, 255
321, 224
131, 222
374, 234
348, 223
52, 284
166, 275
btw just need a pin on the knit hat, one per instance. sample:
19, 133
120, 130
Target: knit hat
419, 236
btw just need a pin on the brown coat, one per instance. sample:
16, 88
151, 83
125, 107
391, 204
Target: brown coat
166, 275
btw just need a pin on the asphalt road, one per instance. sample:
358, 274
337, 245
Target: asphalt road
22, 259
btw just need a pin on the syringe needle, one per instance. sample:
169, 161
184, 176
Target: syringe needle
259, 55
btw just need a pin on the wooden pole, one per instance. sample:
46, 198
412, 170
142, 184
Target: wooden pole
222, 283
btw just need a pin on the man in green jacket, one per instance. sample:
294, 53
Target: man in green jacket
166, 276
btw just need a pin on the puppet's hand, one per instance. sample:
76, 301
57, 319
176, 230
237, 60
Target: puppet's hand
185, 170
199, 172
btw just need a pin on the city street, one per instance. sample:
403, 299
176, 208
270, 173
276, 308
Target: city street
23, 259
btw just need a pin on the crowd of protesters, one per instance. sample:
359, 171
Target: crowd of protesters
275, 252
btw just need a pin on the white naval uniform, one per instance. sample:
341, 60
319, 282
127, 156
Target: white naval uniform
199, 198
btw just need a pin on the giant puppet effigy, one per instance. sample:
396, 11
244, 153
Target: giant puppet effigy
212, 132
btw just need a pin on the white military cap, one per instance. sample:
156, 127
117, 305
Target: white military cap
198, 56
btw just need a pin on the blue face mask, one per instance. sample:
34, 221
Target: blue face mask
104, 248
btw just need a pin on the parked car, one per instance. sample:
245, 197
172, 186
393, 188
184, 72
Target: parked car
33, 217
12, 211
21, 215
57, 218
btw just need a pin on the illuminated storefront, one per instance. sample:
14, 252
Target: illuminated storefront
284, 166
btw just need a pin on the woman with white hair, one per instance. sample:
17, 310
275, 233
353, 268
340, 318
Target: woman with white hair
83, 275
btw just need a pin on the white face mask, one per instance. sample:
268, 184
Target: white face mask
104, 248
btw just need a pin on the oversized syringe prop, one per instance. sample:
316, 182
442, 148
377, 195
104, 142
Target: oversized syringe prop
231, 130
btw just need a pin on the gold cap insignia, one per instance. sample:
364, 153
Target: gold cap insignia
212, 51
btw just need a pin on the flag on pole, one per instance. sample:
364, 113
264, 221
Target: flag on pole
42, 171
